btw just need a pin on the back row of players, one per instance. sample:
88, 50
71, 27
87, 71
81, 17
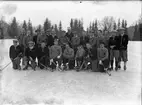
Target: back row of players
70, 50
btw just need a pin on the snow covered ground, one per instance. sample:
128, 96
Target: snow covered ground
70, 87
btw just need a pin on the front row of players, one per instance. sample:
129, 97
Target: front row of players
61, 57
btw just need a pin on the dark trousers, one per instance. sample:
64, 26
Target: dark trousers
94, 64
16, 63
105, 65
53, 65
27, 60
114, 54
123, 56
71, 62
43, 61
79, 61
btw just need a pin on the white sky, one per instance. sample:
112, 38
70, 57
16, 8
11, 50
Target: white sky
37, 11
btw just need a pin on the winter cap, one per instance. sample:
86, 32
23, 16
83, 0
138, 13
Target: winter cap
121, 29
30, 42
15, 40
114, 31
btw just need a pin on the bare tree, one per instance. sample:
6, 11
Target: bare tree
107, 23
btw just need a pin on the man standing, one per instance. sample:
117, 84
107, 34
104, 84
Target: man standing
114, 46
123, 47
69, 34
37, 33
27, 38
50, 38
75, 41
41, 38
93, 40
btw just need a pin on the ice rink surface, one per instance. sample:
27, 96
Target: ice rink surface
71, 87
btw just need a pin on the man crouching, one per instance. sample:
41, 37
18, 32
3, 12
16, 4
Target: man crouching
103, 58
15, 54
30, 56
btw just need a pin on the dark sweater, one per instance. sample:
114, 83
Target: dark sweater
14, 51
123, 42
112, 42
31, 53
42, 52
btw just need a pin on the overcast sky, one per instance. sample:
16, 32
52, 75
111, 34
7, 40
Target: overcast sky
37, 11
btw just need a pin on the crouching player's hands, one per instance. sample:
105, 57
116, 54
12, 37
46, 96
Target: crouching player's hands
58, 56
51, 60
100, 62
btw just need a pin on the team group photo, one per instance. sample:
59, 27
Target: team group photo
70, 52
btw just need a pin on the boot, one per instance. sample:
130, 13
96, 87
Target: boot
111, 65
116, 65
25, 68
125, 66
19, 67
119, 67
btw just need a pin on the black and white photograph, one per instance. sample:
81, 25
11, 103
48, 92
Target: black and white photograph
70, 52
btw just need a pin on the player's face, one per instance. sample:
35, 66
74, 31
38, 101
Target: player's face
122, 32
67, 46
88, 46
43, 44
28, 32
30, 45
101, 45
113, 34
56, 42
15, 43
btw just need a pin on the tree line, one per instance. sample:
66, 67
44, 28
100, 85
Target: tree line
107, 24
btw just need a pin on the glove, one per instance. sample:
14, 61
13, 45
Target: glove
111, 47
51, 60
58, 57
100, 62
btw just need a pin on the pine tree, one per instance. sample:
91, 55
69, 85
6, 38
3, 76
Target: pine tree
96, 26
75, 25
30, 27
93, 26
123, 24
55, 28
71, 24
13, 28
105, 28
114, 26
90, 27
39, 28
47, 25
24, 26
60, 26
87, 30
118, 25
